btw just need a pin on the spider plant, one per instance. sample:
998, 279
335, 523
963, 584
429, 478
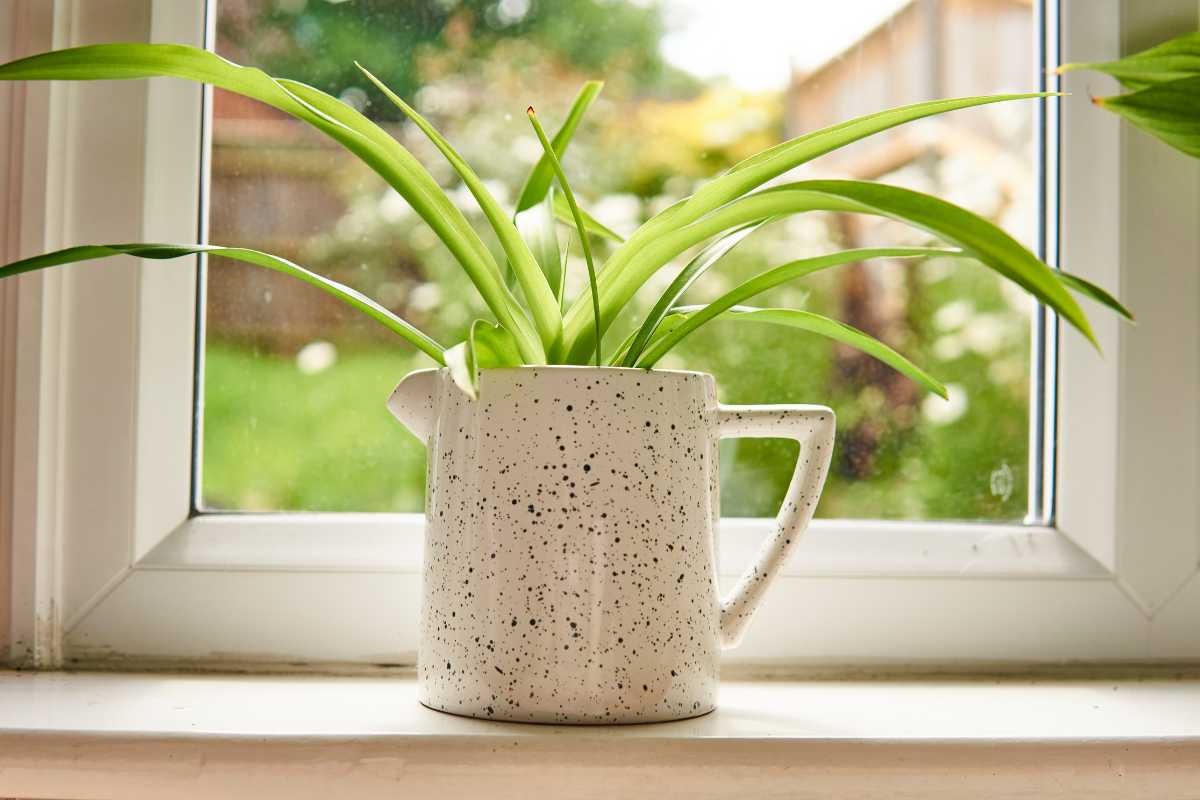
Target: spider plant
1163, 96
543, 326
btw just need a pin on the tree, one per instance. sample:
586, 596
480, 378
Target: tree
320, 39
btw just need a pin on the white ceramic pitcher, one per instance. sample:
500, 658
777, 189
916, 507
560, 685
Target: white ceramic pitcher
570, 570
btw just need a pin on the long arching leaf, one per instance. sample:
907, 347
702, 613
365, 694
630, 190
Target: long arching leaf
770, 279
584, 239
773, 162
562, 210
486, 346
355, 132
542, 302
1167, 111
979, 238
428, 190
1094, 292
686, 277
618, 357
350, 297
542, 176
1169, 61
340, 122
678, 316
539, 229
742, 178
837, 331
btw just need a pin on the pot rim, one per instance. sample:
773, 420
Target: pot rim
588, 368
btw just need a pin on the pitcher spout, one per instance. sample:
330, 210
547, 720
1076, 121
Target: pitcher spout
414, 402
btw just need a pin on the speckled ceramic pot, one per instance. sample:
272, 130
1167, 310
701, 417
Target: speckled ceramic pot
570, 567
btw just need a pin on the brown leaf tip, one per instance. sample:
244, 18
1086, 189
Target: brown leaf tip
529, 111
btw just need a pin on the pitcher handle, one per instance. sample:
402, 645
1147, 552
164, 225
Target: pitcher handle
813, 427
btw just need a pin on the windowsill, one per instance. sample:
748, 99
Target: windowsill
133, 735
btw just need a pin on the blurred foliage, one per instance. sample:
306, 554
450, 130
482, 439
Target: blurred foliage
410, 44
692, 139
285, 430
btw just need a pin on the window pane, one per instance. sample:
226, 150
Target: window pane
295, 385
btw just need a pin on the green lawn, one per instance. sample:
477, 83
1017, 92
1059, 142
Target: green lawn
276, 438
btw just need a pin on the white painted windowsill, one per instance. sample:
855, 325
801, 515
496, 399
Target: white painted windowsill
86, 735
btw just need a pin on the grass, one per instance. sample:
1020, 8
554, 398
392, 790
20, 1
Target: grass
277, 438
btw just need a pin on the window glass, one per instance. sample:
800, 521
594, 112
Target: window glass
294, 384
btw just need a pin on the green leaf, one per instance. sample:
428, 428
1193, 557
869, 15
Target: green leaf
542, 176
460, 360
487, 346
976, 236
981, 239
1094, 292
837, 331
669, 323
350, 297
426, 189
1168, 111
686, 277
539, 229
540, 299
1169, 61
621, 279
356, 133
619, 356
562, 211
770, 279
494, 346
773, 162
584, 239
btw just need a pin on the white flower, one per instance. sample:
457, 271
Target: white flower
987, 333
316, 357
953, 315
942, 412
949, 347
621, 212
393, 207
527, 149
425, 297
355, 97
511, 12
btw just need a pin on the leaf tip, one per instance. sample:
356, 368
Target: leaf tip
529, 110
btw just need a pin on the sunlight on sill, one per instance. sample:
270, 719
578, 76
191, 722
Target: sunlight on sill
172, 735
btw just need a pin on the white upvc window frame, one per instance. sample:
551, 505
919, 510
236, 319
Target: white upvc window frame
110, 567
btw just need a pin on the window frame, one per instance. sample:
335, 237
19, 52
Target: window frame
103, 386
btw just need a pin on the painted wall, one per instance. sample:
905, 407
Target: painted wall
25, 28
8, 309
